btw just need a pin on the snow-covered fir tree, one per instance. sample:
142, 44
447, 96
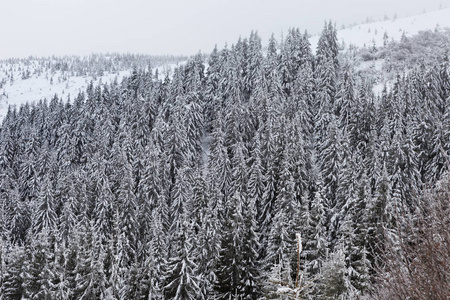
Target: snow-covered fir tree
195, 186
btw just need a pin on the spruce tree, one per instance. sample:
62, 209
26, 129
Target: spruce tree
228, 268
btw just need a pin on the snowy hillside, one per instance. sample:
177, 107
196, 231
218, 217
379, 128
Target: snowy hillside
45, 86
373, 33
30, 80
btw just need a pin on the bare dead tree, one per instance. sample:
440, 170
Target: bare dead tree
417, 265
298, 289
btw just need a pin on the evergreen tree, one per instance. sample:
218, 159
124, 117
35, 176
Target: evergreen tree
251, 267
90, 278
228, 269
157, 257
182, 283
39, 276
45, 218
12, 284
314, 233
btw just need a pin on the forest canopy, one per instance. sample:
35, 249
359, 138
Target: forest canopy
196, 186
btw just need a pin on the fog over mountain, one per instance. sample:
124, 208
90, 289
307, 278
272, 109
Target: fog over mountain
48, 27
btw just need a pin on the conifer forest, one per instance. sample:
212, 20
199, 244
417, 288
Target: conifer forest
249, 173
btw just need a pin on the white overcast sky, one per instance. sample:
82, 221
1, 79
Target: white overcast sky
59, 27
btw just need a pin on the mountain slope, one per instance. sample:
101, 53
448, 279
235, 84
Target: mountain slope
373, 33
34, 79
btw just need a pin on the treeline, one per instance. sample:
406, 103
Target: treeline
195, 187
95, 65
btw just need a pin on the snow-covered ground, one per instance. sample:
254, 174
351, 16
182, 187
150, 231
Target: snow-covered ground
373, 33
46, 84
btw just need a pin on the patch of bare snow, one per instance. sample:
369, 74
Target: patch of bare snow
373, 33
